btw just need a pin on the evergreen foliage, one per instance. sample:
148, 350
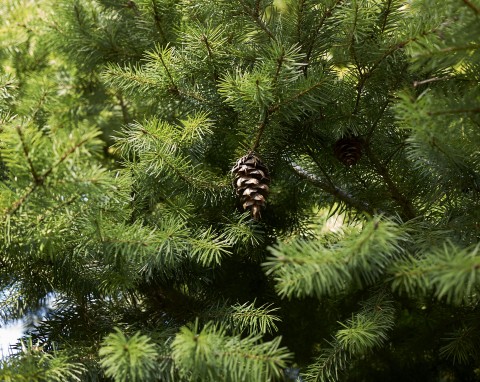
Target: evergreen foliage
120, 122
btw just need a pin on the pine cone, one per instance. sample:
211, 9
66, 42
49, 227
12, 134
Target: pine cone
348, 150
251, 183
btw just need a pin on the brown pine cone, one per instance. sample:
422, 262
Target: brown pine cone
251, 183
348, 150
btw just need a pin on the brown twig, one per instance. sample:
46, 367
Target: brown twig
429, 80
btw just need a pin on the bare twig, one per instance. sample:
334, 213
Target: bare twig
427, 81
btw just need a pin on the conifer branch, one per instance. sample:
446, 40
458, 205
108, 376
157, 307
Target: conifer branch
376, 122
461, 344
449, 272
360, 85
279, 66
451, 49
210, 56
260, 129
50, 211
386, 13
364, 76
472, 6
300, 12
116, 354
320, 167
169, 75
454, 111
126, 78
131, 76
38, 105
123, 108
255, 15
332, 189
241, 318
367, 329
157, 21
329, 365
17, 204
403, 201
296, 96
353, 51
328, 12
36, 177
167, 155
65, 155
392, 49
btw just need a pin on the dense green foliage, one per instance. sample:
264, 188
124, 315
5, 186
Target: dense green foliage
119, 124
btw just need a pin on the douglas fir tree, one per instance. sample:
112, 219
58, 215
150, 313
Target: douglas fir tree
241, 190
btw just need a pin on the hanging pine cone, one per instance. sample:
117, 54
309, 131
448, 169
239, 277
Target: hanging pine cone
348, 150
251, 183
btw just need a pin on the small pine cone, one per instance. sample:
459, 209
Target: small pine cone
251, 183
348, 150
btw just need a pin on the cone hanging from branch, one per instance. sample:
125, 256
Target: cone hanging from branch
348, 150
251, 183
